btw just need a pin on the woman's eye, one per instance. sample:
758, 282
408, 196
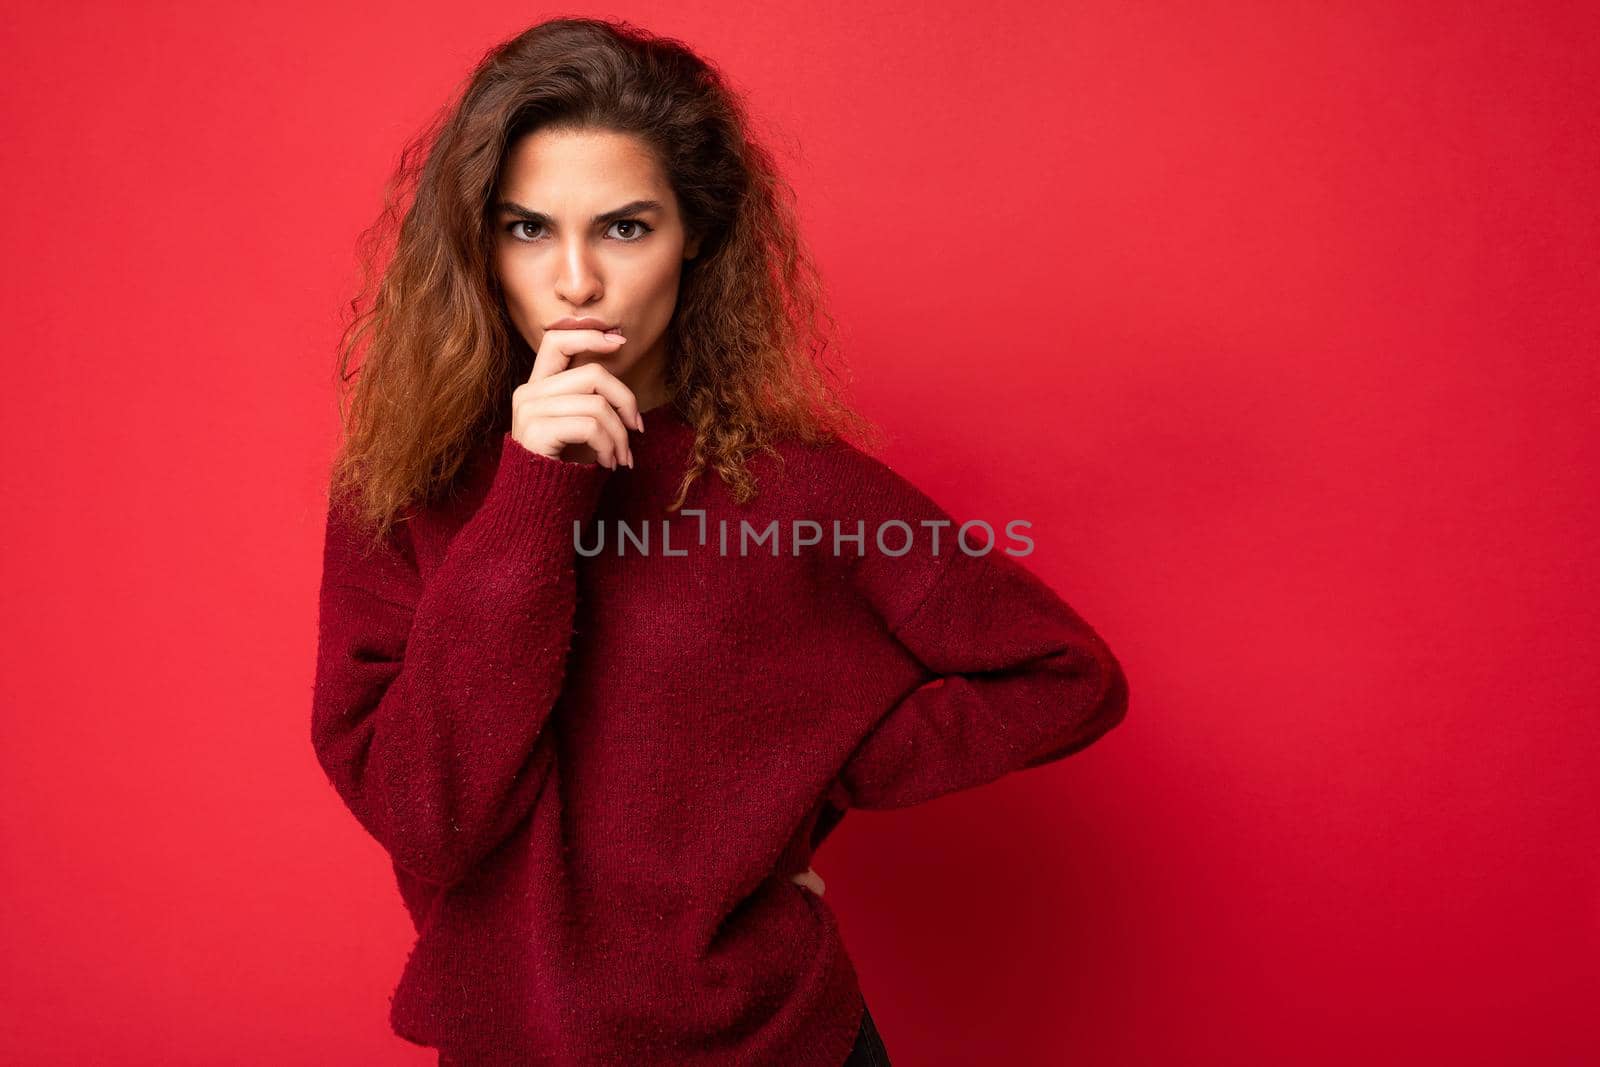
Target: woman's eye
636, 230
636, 227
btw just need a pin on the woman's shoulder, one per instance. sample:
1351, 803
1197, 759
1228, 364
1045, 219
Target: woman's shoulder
843, 476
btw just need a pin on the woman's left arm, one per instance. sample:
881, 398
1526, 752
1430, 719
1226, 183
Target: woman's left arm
1015, 677
1019, 680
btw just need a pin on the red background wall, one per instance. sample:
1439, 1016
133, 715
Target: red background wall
1303, 413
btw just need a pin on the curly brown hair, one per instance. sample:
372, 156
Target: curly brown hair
751, 344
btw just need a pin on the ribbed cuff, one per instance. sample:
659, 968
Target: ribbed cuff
531, 505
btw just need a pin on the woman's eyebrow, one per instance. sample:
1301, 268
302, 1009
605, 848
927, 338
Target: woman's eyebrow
635, 207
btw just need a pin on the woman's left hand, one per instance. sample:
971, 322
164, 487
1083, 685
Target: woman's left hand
809, 880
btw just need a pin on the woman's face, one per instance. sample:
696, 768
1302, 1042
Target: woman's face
587, 226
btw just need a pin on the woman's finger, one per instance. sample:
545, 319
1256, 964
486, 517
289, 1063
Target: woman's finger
595, 406
811, 880
593, 378
557, 348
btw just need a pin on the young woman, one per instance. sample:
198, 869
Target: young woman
600, 763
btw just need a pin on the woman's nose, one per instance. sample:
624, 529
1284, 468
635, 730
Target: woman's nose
809, 880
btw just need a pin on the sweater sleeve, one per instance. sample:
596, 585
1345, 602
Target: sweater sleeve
430, 698
1014, 677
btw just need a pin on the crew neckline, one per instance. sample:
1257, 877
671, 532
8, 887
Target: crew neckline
663, 424
666, 408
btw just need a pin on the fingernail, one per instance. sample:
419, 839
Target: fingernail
640, 420
615, 337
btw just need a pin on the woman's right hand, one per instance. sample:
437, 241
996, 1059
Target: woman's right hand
575, 413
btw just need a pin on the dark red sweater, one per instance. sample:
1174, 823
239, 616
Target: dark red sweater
596, 775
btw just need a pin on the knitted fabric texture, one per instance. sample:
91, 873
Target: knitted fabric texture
594, 775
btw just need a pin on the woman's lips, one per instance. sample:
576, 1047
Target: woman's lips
585, 324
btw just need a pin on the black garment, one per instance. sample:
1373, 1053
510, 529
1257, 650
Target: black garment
868, 1050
